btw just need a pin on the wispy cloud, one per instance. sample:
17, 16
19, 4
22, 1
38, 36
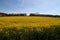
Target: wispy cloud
21, 2
42, 6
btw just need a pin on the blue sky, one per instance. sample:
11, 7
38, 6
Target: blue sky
41, 6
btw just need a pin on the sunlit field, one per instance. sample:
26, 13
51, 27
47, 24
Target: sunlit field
28, 21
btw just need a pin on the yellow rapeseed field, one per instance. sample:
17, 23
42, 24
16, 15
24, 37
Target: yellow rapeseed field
28, 21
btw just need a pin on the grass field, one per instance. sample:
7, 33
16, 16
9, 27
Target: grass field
28, 21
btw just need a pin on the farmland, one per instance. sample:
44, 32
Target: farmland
29, 28
28, 21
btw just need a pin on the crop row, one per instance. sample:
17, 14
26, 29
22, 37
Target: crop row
25, 33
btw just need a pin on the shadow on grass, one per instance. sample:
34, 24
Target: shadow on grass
52, 33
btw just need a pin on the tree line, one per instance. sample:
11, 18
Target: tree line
5, 14
25, 14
